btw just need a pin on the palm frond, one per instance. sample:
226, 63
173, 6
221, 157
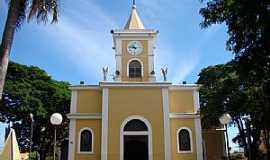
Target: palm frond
43, 9
34, 8
22, 12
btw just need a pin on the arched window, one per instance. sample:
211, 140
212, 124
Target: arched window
184, 140
135, 69
86, 141
135, 125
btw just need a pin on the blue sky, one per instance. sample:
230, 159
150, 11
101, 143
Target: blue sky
78, 46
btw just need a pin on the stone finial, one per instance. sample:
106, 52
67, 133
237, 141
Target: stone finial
105, 73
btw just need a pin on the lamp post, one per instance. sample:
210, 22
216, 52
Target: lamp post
225, 119
56, 119
31, 133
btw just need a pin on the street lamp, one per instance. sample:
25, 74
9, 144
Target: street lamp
56, 119
225, 119
31, 133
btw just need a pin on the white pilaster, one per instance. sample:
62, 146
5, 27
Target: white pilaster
104, 134
196, 99
72, 141
73, 105
72, 126
151, 55
199, 143
166, 123
118, 55
198, 127
118, 59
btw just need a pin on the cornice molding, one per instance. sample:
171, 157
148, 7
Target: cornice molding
84, 116
184, 115
135, 84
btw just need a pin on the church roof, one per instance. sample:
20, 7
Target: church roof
134, 21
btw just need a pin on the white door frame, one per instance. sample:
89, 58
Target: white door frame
148, 133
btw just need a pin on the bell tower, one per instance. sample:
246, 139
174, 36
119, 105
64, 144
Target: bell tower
134, 50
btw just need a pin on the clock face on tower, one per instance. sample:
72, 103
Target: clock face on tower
134, 48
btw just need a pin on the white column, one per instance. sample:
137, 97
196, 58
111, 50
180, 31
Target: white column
72, 135
166, 123
104, 134
199, 143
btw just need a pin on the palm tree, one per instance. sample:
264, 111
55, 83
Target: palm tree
18, 12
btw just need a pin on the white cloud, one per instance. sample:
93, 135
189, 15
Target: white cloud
85, 40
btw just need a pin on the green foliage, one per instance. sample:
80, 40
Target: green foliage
33, 156
221, 92
29, 89
249, 31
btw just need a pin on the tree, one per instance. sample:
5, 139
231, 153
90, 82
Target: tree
223, 91
28, 90
18, 10
248, 28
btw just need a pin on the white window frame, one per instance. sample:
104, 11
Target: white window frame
148, 133
79, 142
191, 141
136, 59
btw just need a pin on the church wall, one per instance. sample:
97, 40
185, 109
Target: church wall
145, 102
175, 125
95, 125
89, 101
181, 101
143, 57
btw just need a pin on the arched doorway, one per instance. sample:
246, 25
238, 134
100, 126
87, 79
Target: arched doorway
136, 139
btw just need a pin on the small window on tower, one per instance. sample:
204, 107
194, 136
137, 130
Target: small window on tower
135, 69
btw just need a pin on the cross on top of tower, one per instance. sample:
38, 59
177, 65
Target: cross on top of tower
133, 3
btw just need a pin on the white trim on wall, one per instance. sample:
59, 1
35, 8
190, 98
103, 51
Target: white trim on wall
104, 134
149, 133
79, 141
136, 59
73, 103
191, 140
72, 141
199, 142
166, 123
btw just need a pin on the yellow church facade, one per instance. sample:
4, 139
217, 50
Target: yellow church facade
135, 117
